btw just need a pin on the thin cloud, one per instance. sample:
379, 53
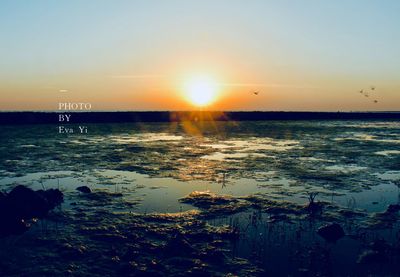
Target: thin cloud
137, 76
270, 85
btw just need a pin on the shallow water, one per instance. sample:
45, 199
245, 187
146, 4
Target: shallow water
354, 166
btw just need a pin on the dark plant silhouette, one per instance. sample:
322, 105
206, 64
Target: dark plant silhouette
313, 207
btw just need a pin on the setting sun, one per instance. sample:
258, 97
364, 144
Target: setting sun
201, 90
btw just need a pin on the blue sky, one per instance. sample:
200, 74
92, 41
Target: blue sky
305, 55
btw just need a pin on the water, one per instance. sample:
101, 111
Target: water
353, 165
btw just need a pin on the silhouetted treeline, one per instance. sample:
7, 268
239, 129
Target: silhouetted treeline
165, 116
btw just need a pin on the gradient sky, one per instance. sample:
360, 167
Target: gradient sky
136, 55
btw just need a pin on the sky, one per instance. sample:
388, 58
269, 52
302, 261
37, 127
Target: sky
314, 55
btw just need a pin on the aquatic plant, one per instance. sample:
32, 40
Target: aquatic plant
312, 206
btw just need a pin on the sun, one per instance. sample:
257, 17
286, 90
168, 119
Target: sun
201, 90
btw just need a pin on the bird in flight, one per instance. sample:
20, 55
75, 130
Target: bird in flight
256, 92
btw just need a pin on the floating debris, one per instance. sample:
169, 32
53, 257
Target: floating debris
84, 189
331, 232
393, 208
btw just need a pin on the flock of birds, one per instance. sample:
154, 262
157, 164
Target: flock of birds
368, 93
364, 92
